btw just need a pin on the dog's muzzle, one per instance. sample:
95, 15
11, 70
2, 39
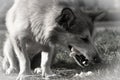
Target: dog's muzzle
79, 59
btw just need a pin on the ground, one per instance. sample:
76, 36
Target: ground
108, 43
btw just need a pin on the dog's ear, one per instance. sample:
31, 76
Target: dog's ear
66, 18
95, 15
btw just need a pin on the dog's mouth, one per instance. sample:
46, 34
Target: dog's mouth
79, 59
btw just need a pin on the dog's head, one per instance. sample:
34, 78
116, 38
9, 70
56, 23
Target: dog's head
75, 29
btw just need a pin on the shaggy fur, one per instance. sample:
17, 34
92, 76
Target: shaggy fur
38, 26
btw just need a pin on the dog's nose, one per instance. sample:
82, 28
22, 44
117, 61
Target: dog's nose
97, 59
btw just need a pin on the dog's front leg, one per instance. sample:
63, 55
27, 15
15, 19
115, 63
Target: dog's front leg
10, 60
46, 61
19, 45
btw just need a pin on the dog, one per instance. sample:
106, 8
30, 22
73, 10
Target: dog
35, 26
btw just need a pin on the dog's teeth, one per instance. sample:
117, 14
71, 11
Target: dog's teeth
72, 54
84, 62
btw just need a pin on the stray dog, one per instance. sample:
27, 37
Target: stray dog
39, 26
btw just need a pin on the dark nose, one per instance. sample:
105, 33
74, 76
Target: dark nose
97, 59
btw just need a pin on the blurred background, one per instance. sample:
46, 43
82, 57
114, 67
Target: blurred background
107, 40
110, 7
4, 6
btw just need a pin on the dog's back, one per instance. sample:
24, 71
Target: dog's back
40, 25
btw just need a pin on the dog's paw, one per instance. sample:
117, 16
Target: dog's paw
11, 70
37, 70
24, 76
20, 77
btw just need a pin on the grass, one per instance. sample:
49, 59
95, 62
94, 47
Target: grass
108, 43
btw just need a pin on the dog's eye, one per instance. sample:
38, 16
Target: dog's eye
85, 39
